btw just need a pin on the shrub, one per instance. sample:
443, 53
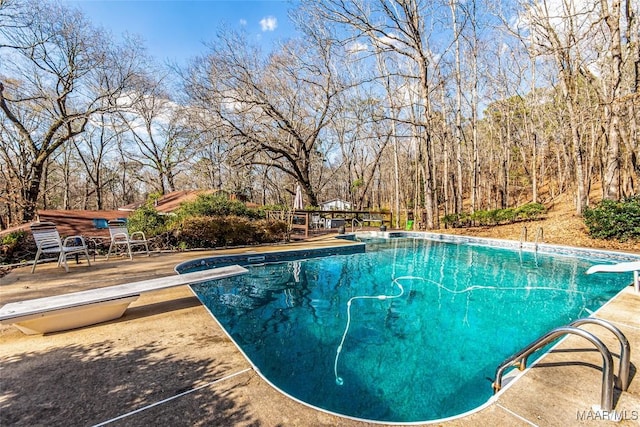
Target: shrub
208, 232
456, 220
273, 231
614, 219
148, 220
480, 217
13, 245
530, 211
215, 205
14, 238
506, 216
527, 212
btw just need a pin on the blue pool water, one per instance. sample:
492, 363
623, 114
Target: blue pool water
411, 330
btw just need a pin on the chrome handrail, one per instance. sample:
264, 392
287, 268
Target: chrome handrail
625, 348
356, 220
606, 401
523, 235
539, 237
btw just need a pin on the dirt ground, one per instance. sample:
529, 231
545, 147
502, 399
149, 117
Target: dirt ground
560, 226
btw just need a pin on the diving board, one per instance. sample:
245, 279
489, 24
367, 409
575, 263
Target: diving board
621, 267
77, 309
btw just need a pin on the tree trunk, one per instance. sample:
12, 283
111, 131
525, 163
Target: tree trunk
33, 191
458, 113
612, 183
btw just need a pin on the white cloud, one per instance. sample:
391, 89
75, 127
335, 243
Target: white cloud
243, 22
269, 23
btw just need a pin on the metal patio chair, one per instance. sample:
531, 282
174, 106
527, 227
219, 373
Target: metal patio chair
48, 241
120, 236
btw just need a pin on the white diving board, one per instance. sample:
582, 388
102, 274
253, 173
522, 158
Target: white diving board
77, 309
621, 267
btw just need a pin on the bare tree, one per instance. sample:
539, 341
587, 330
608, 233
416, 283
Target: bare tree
93, 148
274, 109
555, 32
399, 27
162, 137
57, 72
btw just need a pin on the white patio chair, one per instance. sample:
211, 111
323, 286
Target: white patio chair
120, 236
48, 241
316, 221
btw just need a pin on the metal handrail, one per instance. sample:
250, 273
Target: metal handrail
606, 400
523, 235
539, 237
625, 348
356, 220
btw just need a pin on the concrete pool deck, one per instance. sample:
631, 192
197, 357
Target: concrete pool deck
167, 362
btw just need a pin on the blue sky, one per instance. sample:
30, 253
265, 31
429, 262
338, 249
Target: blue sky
174, 30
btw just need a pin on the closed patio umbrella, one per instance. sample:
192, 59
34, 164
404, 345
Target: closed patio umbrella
297, 202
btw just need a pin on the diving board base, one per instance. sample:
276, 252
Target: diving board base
73, 317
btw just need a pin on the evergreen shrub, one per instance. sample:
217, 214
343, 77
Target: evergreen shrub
215, 205
610, 219
148, 220
528, 212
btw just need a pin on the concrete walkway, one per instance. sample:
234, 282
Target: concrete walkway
167, 362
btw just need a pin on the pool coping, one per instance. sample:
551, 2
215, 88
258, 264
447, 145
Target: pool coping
255, 258
272, 256
542, 248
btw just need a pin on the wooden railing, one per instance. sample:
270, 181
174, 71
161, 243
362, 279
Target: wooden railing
306, 221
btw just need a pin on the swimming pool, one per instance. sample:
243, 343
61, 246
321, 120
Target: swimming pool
410, 330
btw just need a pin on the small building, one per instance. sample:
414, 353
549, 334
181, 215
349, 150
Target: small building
335, 205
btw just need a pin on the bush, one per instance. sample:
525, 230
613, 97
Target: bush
614, 220
530, 211
506, 216
148, 220
456, 220
215, 205
208, 232
14, 245
480, 217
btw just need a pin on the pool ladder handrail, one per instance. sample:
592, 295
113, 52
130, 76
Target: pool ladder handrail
606, 402
539, 237
523, 235
356, 221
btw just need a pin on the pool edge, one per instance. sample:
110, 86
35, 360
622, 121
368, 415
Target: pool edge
460, 239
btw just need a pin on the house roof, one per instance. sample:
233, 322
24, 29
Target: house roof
80, 222
74, 222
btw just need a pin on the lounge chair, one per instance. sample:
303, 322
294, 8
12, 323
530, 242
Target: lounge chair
120, 236
48, 241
